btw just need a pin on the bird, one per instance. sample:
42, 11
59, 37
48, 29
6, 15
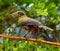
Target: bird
30, 24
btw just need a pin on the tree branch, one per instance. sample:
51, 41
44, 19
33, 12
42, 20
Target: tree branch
30, 39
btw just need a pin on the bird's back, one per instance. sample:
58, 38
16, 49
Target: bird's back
28, 21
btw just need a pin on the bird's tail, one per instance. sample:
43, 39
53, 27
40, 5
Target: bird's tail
45, 28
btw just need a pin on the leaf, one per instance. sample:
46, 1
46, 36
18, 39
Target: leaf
1, 3
41, 5
8, 1
41, 12
52, 8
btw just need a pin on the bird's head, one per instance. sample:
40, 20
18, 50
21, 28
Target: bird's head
18, 13
20, 16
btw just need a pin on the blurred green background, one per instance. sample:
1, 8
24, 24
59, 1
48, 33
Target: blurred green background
45, 11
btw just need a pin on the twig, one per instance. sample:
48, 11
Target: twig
30, 39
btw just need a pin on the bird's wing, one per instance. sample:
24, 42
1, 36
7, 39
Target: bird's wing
45, 28
33, 22
37, 23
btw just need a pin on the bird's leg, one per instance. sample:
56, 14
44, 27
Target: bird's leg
30, 34
26, 34
34, 34
37, 32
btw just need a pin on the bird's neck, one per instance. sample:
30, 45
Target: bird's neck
24, 16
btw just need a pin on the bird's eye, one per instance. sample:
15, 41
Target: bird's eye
20, 13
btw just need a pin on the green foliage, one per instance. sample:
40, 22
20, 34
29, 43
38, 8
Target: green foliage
1, 3
8, 1
51, 9
46, 8
14, 45
23, 1
40, 8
